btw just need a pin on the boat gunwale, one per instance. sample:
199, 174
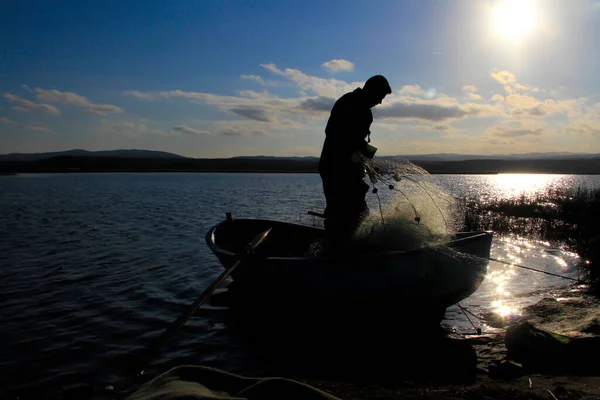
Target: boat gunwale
217, 249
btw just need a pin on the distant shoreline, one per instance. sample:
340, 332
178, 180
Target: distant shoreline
277, 172
73, 164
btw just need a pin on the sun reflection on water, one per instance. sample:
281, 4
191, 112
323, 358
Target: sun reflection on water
528, 267
505, 310
505, 302
516, 185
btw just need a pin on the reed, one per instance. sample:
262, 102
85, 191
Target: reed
568, 217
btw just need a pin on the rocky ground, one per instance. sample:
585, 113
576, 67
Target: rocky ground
569, 312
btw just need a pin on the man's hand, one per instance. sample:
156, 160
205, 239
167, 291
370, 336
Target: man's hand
371, 172
367, 150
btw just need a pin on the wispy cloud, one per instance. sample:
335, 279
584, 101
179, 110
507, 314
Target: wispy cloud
239, 128
429, 112
128, 128
74, 99
337, 65
26, 105
516, 129
186, 130
139, 95
586, 125
503, 77
474, 97
242, 132
254, 78
320, 86
144, 127
4, 120
42, 128
436, 127
414, 90
266, 114
318, 103
255, 113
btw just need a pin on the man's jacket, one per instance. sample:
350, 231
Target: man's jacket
345, 134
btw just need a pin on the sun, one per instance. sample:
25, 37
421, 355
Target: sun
514, 19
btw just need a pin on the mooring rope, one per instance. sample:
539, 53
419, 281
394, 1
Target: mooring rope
533, 269
477, 330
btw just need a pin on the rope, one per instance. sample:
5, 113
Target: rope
533, 269
426, 191
477, 330
375, 190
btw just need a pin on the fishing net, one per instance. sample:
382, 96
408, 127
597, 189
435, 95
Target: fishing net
407, 210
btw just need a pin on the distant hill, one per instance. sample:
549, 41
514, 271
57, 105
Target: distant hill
148, 161
523, 156
135, 153
451, 157
275, 164
84, 153
306, 158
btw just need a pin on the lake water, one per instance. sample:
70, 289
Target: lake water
93, 266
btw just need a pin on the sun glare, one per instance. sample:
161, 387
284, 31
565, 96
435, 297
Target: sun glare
514, 19
515, 185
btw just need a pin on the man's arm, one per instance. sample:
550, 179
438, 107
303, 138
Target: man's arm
353, 126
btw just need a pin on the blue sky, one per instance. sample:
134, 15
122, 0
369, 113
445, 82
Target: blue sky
222, 78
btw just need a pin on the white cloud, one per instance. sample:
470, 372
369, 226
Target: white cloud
251, 94
573, 107
242, 132
260, 80
589, 129
74, 99
338, 65
414, 90
504, 77
4, 120
186, 130
386, 126
586, 125
254, 113
521, 101
421, 111
42, 128
526, 88
240, 128
26, 105
516, 129
139, 95
266, 114
436, 127
320, 86
128, 128
255, 78
318, 103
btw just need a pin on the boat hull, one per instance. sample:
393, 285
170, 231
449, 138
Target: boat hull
427, 278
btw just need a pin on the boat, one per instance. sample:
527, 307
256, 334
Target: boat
427, 279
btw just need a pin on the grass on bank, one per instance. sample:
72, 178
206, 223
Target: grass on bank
567, 217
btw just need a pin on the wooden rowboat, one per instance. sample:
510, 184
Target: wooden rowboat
427, 278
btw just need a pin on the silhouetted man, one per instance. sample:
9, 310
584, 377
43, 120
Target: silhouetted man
341, 166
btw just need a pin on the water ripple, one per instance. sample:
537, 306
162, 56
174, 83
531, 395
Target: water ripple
94, 266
